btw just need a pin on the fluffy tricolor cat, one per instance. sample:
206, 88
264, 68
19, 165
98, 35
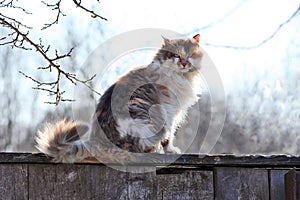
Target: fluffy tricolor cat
140, 112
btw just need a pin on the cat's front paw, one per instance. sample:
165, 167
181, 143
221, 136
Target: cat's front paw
149, 149
172, 150
153, 149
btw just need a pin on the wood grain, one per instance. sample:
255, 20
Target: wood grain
34, 176
292, 185
66, 181
185, 184
194, 160
13, 181
277, 191
241, 183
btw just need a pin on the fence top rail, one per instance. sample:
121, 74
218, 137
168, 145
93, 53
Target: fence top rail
184, 160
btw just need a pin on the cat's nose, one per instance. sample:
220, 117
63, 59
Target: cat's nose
183, 63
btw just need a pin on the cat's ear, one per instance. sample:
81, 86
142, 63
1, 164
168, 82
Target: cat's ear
166, 40
196, 38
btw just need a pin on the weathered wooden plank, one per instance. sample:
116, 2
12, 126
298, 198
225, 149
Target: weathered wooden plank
292, 185
78, 181
142, 185
185, 184
241, 183
33, 176
192, 160
277, 191
66, 181
23, 158
128, 185
13, 181
257, 161
115, 185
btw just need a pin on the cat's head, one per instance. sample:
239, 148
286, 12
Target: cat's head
182, 55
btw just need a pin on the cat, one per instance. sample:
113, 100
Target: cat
139, 113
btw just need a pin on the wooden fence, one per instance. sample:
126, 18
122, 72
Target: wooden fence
33, 176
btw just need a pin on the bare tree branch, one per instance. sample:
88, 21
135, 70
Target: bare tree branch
44, 86
260, 43
55, 6
93, 14
15, 21
10, 4
18, 37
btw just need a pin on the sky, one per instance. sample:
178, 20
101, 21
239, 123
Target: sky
241, 23
233, 22
246, 23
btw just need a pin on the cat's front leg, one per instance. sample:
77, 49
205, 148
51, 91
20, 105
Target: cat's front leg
170, 148
158, 148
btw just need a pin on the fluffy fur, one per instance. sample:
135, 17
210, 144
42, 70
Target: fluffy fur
139, 113
62, 140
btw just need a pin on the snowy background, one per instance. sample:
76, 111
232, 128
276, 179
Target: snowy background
261, 79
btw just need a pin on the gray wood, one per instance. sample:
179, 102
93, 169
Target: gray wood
115, 184
292, 185
277, 191
241, 183
23, 158
141, 186
34, 176
66, 181
185, 184
257, 161
127, 185
71, 181
13, 181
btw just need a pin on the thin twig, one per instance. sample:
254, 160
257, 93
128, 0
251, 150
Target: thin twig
93, 14
55, 85
55, 6
19, 38
15, 21
260, 43
224, 17
10, 5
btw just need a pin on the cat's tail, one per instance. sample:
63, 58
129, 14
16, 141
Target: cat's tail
62, 142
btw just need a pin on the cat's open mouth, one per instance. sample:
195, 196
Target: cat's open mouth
187, 69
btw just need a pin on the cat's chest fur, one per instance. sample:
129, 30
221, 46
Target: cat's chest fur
183, 89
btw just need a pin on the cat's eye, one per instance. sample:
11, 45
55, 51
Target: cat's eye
176, 56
